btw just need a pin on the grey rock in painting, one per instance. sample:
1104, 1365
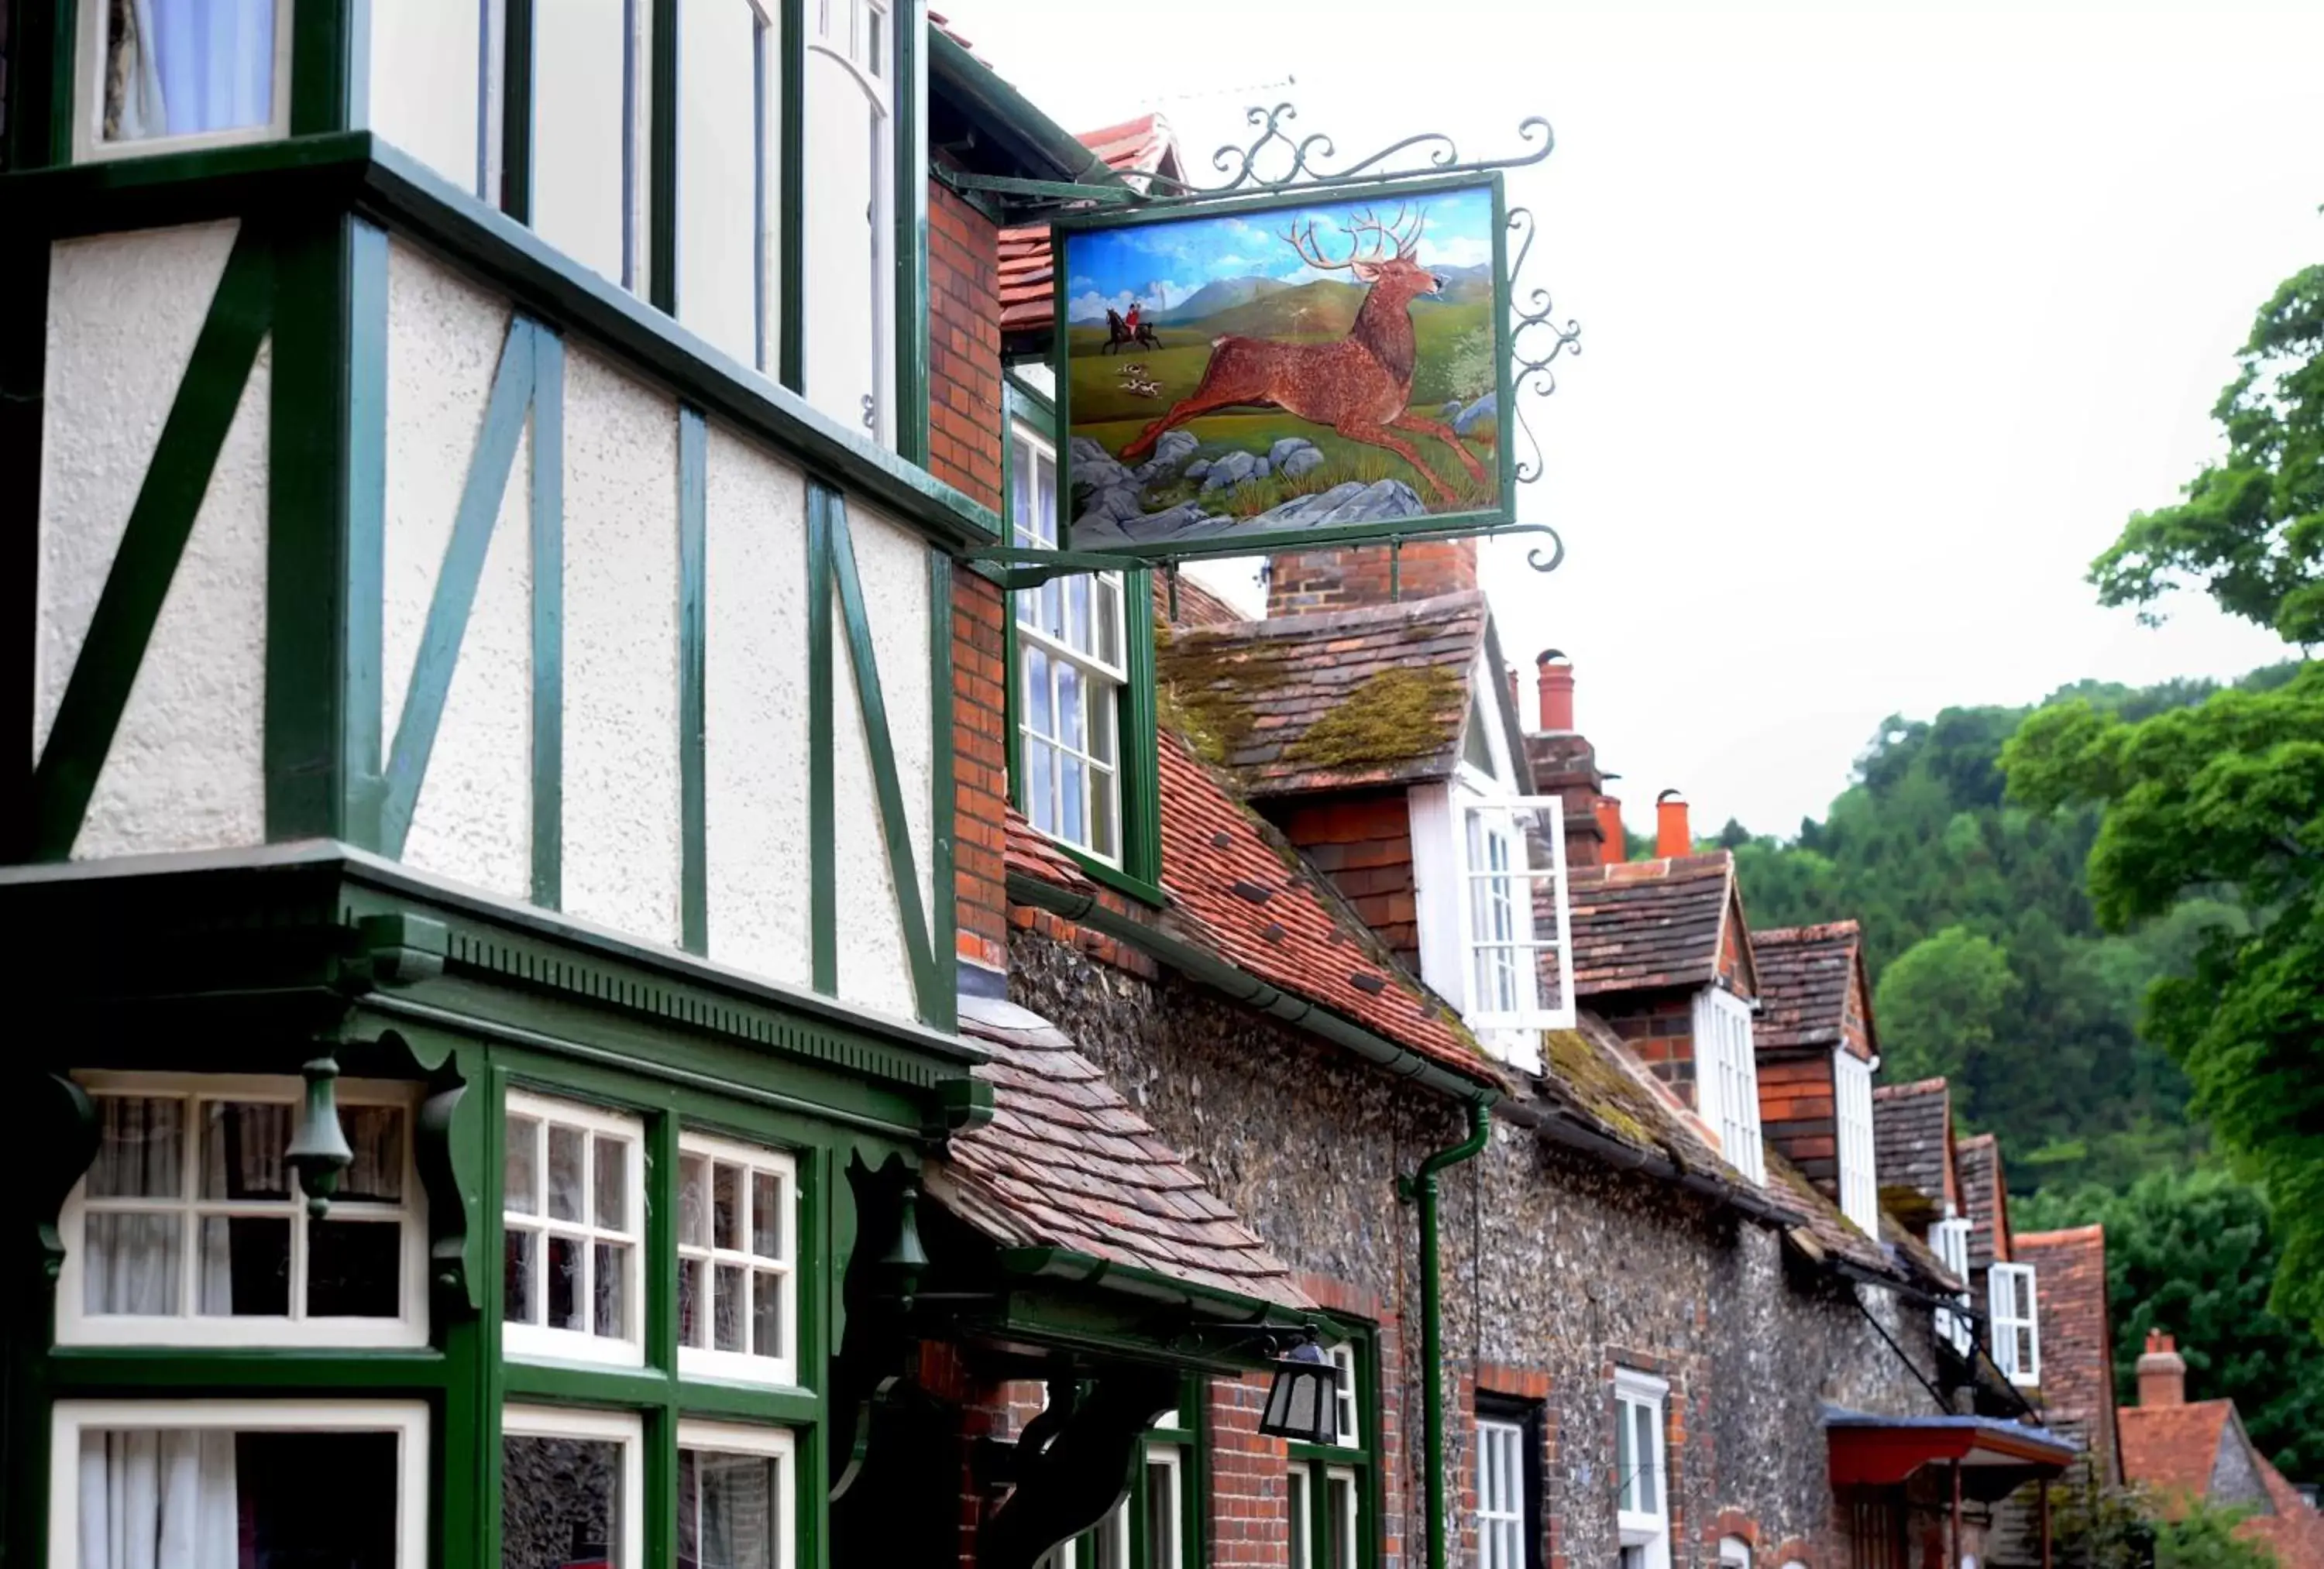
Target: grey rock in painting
1281, 452
1451, 409
1233, 469
1175, 447
1293, 465
1263, 469
1198, 468
1086, 452
1351, 502
1483, 408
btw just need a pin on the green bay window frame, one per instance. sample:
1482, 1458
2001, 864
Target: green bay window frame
1136, 765
1357, 1454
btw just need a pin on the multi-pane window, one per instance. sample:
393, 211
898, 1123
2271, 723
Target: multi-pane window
1501, 1494
1727, 1079
189, 1227
729, 87
735, 1496
1949, 1240
1514, 920
212, 1484
1347, 1414
573, 1225
156, 77
1859, 1189
2017, 1326
570, 1489
735, 1219
1071, 669
1642, 1501
1325, 1514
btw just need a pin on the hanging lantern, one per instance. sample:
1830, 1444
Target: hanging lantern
319, 1151
1304, 1402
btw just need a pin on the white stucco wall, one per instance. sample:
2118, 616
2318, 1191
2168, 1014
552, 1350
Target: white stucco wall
474, 818
755, 713
188, 766
123, 311
892, 562
424, 82
622, 848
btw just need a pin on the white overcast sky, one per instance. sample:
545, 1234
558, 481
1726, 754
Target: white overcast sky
1891, 315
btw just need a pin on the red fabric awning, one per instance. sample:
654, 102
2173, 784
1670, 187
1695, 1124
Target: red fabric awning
1874, 1451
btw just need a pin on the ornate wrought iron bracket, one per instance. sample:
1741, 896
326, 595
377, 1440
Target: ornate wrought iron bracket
1015, 568
1537, 340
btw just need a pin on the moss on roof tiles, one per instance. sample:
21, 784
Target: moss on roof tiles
1597, 1084
1393, 715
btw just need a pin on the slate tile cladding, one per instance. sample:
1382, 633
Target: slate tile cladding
2077, 1339
1362, 841
1913, 1150
1642, 925
1252, 691
1984, 1198
1556, 1267
1066, 1163
1798, 1112
1812, 989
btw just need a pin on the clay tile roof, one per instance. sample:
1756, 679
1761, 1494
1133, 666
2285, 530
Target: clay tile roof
1066, 1163
2076, 1341
1025, 850
1027, 276
1977, 1161
1302, 937
1590, 1074
1377, 694
1832, 1232
2172, 1448
2295, 1531
1639, 925
1911, 1127
1917, 1257
1805, 976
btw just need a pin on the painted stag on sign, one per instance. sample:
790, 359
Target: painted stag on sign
1359, 385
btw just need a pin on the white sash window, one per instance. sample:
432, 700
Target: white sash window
2017, 1323
849, 208
158, 76
1949, 1240
737, 1212
590, 116
1727, 1079
573, 1222
730, 87
1859, 1189
1642, 1494
1500, 1495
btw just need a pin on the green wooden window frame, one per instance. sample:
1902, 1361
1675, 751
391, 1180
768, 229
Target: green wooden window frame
1362, 1457
1139, 875
1190, 1442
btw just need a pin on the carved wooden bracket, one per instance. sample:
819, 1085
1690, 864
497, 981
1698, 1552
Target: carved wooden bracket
1082, 1470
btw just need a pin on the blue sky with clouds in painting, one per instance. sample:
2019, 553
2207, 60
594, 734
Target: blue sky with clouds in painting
1163, 262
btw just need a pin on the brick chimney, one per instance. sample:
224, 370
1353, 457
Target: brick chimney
1555, 687
1672, 836
2162, 1373
1564, 763
1348, 575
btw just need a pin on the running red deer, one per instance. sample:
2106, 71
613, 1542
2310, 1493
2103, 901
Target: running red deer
1360, 386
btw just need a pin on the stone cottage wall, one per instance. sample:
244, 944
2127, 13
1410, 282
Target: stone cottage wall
1555, 1268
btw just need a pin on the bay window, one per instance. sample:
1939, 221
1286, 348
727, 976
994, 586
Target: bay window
570, 1489
736, 1492
1642, 1494
190, 1229
157, 76
238, 1484
1727, 1079
735, 1296
2016, 1322
1860, 1189
573, 1203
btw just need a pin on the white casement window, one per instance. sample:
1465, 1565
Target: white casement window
1347, 1414
1734, 1552
571, 1489
2016, 1323
736, 1496
737, 1220
849, 208
729, 96
1860, 1189
1165, 1502
1727, 1079
1509, 855
1949, 1240
1500, 1495
589, 119
203, 1484
189, 1228
572, 1223
1325, 1515
1642, 1495
162, 76
1071, 670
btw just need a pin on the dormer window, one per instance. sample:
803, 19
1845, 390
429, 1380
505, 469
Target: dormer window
1949, 1240
1859, 1190
2016, 1323
1727, 1079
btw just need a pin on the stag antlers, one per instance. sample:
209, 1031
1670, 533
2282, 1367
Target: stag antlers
1302, 239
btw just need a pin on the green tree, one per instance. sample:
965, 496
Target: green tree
2195, 1254
2227, 795
2251, 531
1941, 1004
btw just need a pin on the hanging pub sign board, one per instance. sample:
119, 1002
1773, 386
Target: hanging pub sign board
1304, 368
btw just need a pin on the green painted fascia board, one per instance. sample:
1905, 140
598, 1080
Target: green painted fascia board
356, 170
1045, 149
358, 871
1213, 1302
1224, 974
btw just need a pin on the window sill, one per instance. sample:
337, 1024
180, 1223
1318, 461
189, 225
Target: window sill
1113, 876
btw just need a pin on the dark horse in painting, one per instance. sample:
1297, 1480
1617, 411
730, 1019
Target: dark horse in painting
1119, 332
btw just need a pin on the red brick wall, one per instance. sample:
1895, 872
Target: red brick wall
1351, 575
964, 435
1363, 843
1659, 1027
1798, 1113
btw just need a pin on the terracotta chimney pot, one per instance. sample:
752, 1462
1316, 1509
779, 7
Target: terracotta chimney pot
1671, 835
1556, 685
2162, 1373
1616, 847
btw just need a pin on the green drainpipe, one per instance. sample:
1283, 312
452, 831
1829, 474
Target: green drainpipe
1422, 1186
